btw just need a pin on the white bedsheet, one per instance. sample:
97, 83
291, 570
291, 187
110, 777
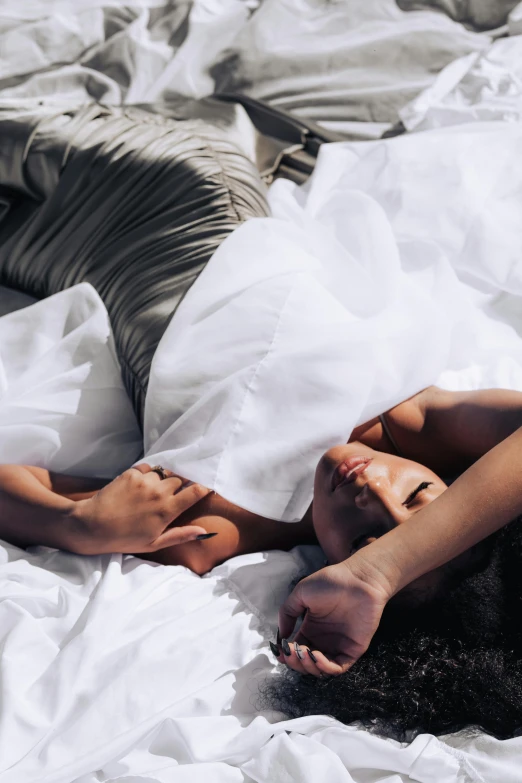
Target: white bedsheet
114, 669
152, 50
62, 402
480, 86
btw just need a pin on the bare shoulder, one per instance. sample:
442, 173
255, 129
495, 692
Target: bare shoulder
470, 423
410, 415
405, 422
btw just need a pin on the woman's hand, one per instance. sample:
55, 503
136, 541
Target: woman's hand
135, 513
343, 605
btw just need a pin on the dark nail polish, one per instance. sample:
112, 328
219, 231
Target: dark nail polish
312, 656
286, 647
276, 652
278, 637
298, 651
205, 536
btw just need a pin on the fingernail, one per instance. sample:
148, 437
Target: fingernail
278, 637
298, 651
188, 483
276, 652
312, 656
286, 647
205, 536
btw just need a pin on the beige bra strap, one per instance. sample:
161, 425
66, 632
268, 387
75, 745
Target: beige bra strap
390, 436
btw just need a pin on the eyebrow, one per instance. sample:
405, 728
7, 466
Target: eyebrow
412, 495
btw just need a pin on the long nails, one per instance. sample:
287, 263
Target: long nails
312, 656
286, 647
278, 637
298, 651
276, 652
205, 536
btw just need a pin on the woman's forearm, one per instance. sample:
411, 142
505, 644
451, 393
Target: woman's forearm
32, 512
481, 501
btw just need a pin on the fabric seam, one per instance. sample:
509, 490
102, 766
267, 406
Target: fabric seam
251, 382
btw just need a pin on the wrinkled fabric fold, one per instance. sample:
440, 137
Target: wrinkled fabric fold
129, 201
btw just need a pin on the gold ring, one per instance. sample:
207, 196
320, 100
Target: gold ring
162, 473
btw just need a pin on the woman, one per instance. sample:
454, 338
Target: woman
448, 653
392, 530
393, 465
453, 662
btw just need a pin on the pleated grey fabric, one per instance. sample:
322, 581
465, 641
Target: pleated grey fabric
129, 201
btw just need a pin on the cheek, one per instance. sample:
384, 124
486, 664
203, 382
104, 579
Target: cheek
331, 534
330, 523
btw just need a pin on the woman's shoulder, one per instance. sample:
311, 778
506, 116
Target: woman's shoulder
401, 424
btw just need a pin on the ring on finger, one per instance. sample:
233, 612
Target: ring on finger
161, 472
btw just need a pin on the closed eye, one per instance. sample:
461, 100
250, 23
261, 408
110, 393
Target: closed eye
422, 486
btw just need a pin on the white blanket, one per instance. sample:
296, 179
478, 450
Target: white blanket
114, 669
62, 401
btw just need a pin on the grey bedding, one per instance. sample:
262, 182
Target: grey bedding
348, 64
129, 201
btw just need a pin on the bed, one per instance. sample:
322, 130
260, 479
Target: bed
107, 671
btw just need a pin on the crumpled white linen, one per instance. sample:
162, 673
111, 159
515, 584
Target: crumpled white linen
115, 52
115, 669
62, 401
481, 86
343, 304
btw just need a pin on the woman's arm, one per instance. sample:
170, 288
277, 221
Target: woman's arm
33, 512
133, 513
344, 602
485, 498
458, 428
239, 532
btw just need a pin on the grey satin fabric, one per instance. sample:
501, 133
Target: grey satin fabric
129, 201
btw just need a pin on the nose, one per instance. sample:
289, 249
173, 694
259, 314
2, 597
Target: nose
378, 500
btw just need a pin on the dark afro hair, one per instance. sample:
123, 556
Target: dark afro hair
454, 663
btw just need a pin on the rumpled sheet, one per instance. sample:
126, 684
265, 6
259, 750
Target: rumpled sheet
114, 669
350, 65
62, 402
114, 52
481, 86
359, 62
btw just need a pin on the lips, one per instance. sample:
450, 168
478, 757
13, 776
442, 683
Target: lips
348, 470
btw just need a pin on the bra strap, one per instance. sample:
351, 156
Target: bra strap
392, 440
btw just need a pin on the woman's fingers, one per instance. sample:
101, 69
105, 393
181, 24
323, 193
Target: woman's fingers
290, 611
331, 666
174, 536
187, 497
298, 658
173, 483
142, 468
153, 475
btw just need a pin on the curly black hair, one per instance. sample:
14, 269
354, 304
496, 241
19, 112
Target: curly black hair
453, 663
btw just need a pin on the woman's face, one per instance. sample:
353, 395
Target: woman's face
360, 494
